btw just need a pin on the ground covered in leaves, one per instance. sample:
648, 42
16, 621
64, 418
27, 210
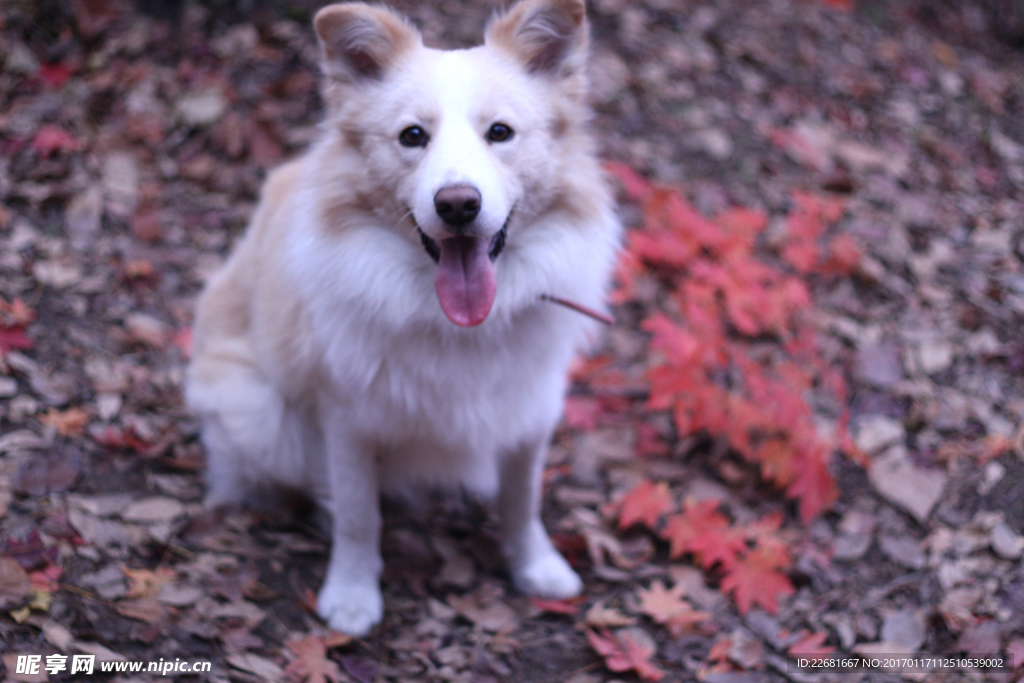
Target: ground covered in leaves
803, 435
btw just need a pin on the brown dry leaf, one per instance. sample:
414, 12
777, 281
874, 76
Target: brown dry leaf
15, 584
147, 329
263, 668
149, 610
488, 612
11, 662
70, 422
53, 472
311, 664
599, 616
145, 223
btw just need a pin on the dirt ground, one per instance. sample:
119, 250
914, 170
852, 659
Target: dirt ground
132, 147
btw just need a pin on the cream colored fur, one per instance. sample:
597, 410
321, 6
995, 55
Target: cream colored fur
323, 360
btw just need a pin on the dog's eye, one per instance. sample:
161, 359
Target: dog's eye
500, 132
413, 136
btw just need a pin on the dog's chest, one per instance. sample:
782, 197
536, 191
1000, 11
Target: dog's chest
454, 392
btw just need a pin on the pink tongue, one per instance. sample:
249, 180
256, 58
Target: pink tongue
465, 280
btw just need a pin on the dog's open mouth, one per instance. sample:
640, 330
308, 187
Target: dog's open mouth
465, 281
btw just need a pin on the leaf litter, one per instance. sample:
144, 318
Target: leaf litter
804, 435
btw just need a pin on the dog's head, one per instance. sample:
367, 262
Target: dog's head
459, 147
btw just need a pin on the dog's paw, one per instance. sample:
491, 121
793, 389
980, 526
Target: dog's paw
352, 609
548, 576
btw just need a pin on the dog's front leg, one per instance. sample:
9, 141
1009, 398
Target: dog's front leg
536, 567
350, 600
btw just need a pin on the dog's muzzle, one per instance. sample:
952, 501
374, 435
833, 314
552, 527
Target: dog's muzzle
494, 250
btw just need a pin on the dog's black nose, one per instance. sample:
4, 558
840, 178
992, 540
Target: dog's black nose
457, 204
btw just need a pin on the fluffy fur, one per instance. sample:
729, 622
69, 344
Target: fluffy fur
323, 360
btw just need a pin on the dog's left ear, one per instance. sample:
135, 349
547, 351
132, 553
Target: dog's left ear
550, 37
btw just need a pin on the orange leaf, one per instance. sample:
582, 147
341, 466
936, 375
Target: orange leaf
68, 422
645, 503
146, 583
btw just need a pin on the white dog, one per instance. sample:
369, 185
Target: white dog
381, 325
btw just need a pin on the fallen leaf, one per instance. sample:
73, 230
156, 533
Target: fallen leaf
311, 663
646, 503
148, 610
626, 650
487, 612
70, 422
263, 668
569, 607
599, 616
52, 138
45, 579
811, 644
54, 472
661, 603
755, 579
147, 583
363, 669
668, 608
13, 338
14, 583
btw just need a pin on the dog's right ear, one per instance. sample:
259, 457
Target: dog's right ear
549, 36
360, 41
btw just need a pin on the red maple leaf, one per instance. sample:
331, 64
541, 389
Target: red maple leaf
844, 256
582, 412
663, 247
624, 651
646, 503
813, 486
51, 138
15, 314
755, 579
841, 5
569, 607
802, 254
721, 547
54, 75
46, 579
696, 520
811, 644
637, 188
13, 338
627, 268
742, 222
